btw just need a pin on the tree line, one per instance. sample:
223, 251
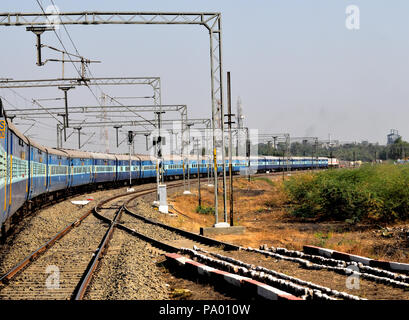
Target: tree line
363, 151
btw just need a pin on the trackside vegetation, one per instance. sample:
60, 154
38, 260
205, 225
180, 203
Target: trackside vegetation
369, 193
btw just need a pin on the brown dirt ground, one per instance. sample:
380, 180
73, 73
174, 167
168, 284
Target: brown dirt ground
260, 207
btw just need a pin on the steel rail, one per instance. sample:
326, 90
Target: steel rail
187, 234
43, 248
35, 254
81, 289
82, 286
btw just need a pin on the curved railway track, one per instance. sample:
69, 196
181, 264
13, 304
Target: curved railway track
168, 239
74, 252
81, 245
210, 251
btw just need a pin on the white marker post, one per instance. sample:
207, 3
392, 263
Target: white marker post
163, 203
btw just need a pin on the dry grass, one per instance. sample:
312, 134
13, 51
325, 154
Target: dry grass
261, 207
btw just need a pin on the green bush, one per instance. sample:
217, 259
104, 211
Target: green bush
378, 192
205, 210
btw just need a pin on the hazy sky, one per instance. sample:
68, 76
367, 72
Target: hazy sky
295, 65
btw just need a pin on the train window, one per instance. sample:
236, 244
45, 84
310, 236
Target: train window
40, 152
58, 157
20, 142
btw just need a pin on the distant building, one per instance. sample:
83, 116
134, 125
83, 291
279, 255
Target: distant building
329, 144
393, 136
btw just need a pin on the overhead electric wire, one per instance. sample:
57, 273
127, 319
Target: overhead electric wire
130, 110
90, 72
26, 100
75, 67
62, 44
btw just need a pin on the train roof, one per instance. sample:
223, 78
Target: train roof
57, 152
145, 157
17, 132
77, 154
172, 157
105, 156
37, 145
126, 157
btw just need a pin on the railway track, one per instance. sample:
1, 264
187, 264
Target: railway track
55, 273
168, 242
71, 257
169, 239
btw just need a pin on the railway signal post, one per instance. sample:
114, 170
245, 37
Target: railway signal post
130, 140
188, 162
79, 136
197, 145
229, 123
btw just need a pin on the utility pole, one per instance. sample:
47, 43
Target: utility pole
159, 148
38, 31
65, 90
316, 153
182, 155
58, 136
130, 139
208, 170
284, 149
79, 136
11, 118
188, 163
104, 130
65, 128
288, 146
229, 123
116, 128
146, 140
248, 152
198, 174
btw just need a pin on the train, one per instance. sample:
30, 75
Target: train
32, 174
